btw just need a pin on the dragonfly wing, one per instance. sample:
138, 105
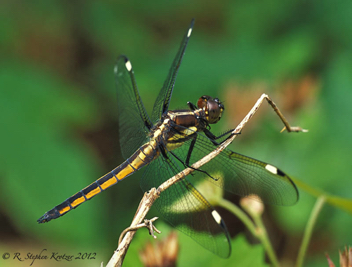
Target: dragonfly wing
186, 209
240, 174
134, 122
162, 102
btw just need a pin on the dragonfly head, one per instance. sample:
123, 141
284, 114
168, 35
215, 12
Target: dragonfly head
212, 107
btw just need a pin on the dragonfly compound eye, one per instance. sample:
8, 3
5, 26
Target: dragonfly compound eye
202, 101
213, 108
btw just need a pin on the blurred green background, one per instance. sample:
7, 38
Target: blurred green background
59, 128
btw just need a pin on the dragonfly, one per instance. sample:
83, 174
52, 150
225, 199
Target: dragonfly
168, 142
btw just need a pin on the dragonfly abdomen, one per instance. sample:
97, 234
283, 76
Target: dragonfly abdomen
139, 159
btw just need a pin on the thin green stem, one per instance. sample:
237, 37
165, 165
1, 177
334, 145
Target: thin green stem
238, 213
309, 229
258, 231
263, 237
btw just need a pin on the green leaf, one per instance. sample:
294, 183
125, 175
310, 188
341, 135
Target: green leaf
339, 202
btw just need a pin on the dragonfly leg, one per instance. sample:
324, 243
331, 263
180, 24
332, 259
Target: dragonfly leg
189, 157
212, 137
186, 165
226, 133
191, 106
182, 162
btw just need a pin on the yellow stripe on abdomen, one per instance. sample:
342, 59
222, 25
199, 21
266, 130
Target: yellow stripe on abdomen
109, 183
78, 201
93, 192
126, 171
64, 210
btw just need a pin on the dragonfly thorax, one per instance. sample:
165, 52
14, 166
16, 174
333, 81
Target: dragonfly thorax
212, 107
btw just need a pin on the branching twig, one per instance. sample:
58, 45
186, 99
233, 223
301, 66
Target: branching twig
153, 194
147, 223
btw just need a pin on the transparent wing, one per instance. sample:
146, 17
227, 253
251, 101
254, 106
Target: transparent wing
185, 208
240, 174
134, 121
162, 102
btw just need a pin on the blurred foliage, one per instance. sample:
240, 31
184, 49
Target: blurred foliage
59, 123
243, 254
